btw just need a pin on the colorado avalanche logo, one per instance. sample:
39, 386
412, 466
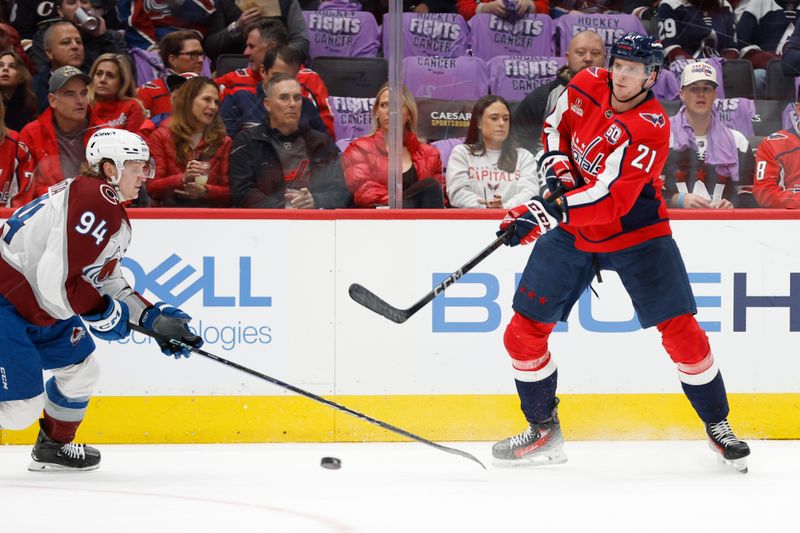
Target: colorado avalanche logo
77, 335
109, 194
656, 119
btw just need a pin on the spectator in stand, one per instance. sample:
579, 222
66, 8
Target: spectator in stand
761, 29
226, 27
696, 29
29, 15
96, 39
710, 166
244, 109
15, 165
366, 161
17, 91
281, 164
64, 46
57, 139
586, 49
507, 9
790, 63
147, 22
265, 35
112, 94
777, 178
191, 150
181, 52
489, 170
10, 40
643, 9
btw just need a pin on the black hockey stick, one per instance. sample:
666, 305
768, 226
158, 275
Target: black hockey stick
371, 301
309, 395
368, 299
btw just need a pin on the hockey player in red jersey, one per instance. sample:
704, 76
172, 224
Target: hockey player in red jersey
777, 179
605, 143
60, 272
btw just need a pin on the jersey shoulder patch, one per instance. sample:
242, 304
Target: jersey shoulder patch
776, 136
656, 119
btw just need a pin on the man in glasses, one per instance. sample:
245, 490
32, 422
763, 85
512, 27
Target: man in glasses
710, 166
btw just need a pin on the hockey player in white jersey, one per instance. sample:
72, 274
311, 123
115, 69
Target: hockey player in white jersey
60, 269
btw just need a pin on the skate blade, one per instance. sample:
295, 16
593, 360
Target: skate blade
554, 457
36, 466
739, 465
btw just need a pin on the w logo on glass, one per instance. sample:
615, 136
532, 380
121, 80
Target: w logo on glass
164, 281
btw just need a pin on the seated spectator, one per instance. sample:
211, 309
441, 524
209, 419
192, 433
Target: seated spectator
507, 9
244, 109
586, 49
643, 9
366, 161
63, 46
281, 164
777, 180
57, 139
489, 171
181, 52
10, 40
17, 92
790, 63
97, 39
112, 94
15, 166
761, 29
191, 150
709, 164
696, 29
146, 22
266, 35
227, 24
28, 16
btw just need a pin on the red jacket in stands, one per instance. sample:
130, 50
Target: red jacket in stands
155, 97
311, 85
15, 170
366, 167
127, 114
777, 182
468, 8
40, 138
169, 172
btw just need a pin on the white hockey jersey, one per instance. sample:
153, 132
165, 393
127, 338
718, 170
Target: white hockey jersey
61, 253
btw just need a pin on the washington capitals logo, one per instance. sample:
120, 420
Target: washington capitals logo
77, 335
656, 119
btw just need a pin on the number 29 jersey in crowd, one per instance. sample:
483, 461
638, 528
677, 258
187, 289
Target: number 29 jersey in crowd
60, 253
620, 157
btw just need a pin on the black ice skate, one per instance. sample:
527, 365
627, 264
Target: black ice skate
49, 455
730, 449
540, 444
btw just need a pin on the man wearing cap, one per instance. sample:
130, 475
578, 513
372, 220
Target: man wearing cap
777, 177
57, 139
710, 166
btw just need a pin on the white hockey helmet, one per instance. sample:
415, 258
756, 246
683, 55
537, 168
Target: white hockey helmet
119, 146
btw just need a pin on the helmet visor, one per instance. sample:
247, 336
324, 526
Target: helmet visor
141, 167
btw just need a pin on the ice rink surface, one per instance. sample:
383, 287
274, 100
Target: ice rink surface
674, 486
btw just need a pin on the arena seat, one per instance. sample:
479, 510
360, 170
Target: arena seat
431, 34
492, 36
358, 77
514, 77
342, 33
460, 78
443, 118
779, 86
229, 62
738, 79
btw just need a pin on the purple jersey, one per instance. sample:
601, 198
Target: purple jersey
789, 117
493, 36
737, 114
342, 33
678, 65
459, 78
667, 86
514, 77
445, 147
352, 117
609, 27
431, 34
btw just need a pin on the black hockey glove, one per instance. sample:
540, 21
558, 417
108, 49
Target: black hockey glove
172, 323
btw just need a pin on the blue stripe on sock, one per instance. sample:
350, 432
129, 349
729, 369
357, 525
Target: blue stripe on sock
55, 396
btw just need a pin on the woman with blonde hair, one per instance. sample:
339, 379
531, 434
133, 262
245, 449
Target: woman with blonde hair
112, 94
366, 160
191, 150
16, 87
15, 165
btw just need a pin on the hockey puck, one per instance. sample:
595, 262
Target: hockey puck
331, 463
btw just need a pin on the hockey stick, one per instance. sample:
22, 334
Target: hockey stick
309, 395
371, 301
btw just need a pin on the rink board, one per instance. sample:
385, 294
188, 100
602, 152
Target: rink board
269, 291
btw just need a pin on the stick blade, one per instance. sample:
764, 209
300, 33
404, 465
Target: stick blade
368, 299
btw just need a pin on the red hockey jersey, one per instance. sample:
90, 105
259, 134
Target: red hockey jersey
16, 170
619, 156
155, 97
777, 182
